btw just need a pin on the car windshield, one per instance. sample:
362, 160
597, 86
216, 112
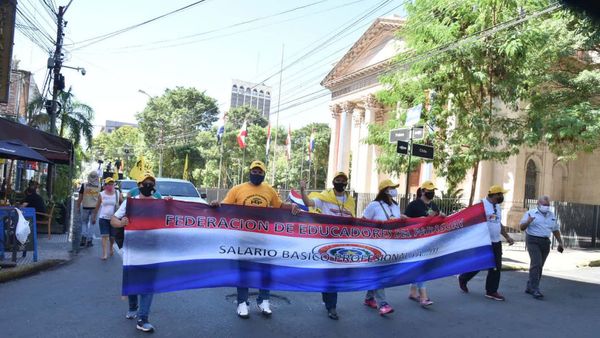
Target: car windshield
176, 189
127, 185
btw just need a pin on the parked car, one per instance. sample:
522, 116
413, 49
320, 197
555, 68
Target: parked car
180, 190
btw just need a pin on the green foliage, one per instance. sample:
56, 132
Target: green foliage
75, 119
125, 143
450, 201
237, 116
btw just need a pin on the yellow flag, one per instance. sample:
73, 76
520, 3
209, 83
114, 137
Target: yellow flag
138, 169
185, 168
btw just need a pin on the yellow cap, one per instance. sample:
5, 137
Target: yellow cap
146, 176
340, 173
109, 180
258, 164
387, 184
497, 189
428, 185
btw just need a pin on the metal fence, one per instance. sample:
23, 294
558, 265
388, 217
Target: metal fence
579, 223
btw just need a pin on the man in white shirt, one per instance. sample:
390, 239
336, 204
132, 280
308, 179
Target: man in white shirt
493, 214
539, 224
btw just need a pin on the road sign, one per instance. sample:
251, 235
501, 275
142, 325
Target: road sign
413, 115
401, 134
422, 150
402, 147
418, 133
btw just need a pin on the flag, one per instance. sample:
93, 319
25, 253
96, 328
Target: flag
288, 143
221, 129
241, 138
413, 115
311, 145
115, 174
185, 168
268, 142
138, 169
296, 198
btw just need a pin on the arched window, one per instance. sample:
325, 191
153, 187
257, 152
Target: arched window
234, 89
531, 180
241, 91
261, 94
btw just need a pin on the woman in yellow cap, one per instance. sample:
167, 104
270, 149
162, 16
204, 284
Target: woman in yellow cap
108, 202
382, 208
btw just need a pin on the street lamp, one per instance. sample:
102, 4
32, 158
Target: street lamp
160, 153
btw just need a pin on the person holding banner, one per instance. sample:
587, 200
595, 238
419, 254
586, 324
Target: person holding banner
255, 193
382, 208
423, 206
335, 202
493, 214
139, 305
539, 224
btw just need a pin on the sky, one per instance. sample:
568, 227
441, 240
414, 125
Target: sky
198, 47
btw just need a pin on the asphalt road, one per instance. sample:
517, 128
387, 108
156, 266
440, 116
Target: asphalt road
82, 299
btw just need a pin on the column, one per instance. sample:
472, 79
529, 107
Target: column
336, 111
358, 150
345, 137
373, 114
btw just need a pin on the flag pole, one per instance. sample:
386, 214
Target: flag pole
277, 118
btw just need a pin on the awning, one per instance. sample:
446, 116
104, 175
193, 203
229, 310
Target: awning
17, 150
56, 149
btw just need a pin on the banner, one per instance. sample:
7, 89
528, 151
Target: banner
173, 245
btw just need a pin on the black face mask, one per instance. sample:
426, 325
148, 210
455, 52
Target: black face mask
499, 199
339, 187
429, 194
256, 179
147, 189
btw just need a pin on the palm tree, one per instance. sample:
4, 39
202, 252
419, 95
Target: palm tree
36, 116
75, 118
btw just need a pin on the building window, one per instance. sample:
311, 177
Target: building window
531, 180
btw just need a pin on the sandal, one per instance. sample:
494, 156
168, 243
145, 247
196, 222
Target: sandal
414, 298
426, 302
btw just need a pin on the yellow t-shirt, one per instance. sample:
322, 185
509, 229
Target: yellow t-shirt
253, 195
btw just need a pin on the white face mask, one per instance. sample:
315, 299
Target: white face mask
393, 193
543, 208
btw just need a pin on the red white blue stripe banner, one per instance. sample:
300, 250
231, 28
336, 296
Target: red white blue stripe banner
173, 245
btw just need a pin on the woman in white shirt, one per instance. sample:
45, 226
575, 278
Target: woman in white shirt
382, 208
108, 202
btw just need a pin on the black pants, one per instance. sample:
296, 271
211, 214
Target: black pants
493, 277
538, 248
330, 299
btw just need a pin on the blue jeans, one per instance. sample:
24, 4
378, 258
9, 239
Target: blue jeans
242, 295
145, 301
87, 229
330, 299
418, 285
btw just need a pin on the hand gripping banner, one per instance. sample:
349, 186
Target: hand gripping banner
172, 245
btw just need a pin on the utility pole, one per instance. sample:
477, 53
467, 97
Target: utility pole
160, 154
56, 64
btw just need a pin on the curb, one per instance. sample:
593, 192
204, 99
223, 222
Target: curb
7, 275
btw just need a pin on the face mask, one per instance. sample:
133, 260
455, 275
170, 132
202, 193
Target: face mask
256, 179
543, 208
109, 188
429, 195
147, 189
393, 193
500, 199
339, 187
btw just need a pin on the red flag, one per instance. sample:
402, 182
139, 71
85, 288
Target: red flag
241, 138
288, 143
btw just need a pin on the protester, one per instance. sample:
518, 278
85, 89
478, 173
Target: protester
139, 305
493, 214
86, 203
108, 202
382, 208
539, 224
336, 202
33, 200
423, 206
255, 193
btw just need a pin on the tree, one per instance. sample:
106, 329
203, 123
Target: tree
125, 143
75, 118
237, 116
478, 81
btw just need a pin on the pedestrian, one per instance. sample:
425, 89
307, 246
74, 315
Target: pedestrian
336, 202
423, 206
382, 208
139, 305
255, 193
539, 224
493, 215
33, 200
86, 203
108, 202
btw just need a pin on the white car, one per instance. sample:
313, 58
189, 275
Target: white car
180, 190
125, 186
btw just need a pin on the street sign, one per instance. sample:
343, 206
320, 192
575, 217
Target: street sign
413, 115
401, 134
422, 150
418, 133
402, 147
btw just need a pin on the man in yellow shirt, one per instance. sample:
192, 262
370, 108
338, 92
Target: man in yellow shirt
255, 194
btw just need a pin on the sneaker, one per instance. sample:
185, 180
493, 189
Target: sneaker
385, 309
242, 310
537, 295
463, 286
131, 314
332, 313
495, 296
143, 325
371, 303
264, 308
